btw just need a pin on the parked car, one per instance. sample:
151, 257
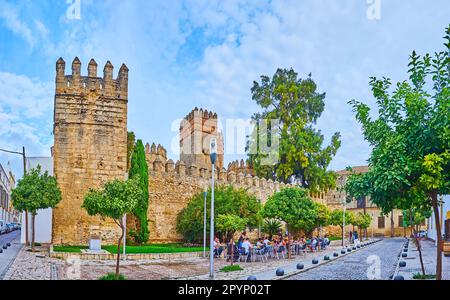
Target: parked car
10, 227
3, 228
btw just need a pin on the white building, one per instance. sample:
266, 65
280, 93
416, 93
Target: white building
444, 211
43, 220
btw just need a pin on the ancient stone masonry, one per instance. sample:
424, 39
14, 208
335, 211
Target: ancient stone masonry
172, 185
90, 146
196, 131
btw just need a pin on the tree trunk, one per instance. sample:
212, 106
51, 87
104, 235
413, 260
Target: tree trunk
342, 235
434, 202
419, 248
26, 229
32, 231
392, 224
232, 251
118, 249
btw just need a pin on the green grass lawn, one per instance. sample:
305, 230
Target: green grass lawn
231, 268
155, 248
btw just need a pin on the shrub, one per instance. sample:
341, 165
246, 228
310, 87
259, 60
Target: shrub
421, 276
112, 276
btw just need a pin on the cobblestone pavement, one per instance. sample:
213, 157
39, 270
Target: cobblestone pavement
256, 268
429, 261
7, 256
33, 266
379, 260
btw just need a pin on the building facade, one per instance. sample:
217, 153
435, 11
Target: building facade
382, 225
7, 183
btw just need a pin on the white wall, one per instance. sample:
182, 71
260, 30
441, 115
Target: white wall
43, 223
43, 220
432, 223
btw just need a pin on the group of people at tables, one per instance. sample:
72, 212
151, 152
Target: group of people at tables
272, 247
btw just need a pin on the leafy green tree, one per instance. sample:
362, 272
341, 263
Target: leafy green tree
294, 207
297, 105
36, 190
139, 168
337, 219
228, 201
229, 225
410, 137
363, 221
271, 227
413, 218
114, 200
323, 216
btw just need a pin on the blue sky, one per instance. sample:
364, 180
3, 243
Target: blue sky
183, 54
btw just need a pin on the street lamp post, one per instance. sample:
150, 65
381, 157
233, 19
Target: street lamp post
344, 202
204, 222
343, 223
213, 155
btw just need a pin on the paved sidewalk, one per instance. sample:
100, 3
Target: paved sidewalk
429, 261
266, 270
9, 254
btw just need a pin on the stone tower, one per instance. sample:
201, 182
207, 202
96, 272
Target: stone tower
90, 146
196, 131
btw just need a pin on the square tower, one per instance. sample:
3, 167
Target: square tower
90, 146
196, 131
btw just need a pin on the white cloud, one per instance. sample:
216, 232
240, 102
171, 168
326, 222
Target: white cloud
10, 17
26, 107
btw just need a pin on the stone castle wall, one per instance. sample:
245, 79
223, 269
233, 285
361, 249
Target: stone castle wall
172, 185
90, 146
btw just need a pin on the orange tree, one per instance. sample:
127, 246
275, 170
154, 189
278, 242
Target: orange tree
410, 137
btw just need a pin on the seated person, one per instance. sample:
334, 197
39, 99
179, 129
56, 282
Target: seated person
260, 244
218, 248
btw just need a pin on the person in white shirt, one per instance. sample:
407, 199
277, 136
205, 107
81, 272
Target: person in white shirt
246, 247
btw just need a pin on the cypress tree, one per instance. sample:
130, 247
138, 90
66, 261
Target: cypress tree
139, 168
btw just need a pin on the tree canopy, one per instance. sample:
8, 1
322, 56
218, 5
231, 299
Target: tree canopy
114, 200
296, 105
410, 137
228, 202
36, 190
294, 207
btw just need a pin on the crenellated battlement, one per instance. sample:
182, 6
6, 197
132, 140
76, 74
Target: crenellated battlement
196, 131
106, 86
203, 113
238, 174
